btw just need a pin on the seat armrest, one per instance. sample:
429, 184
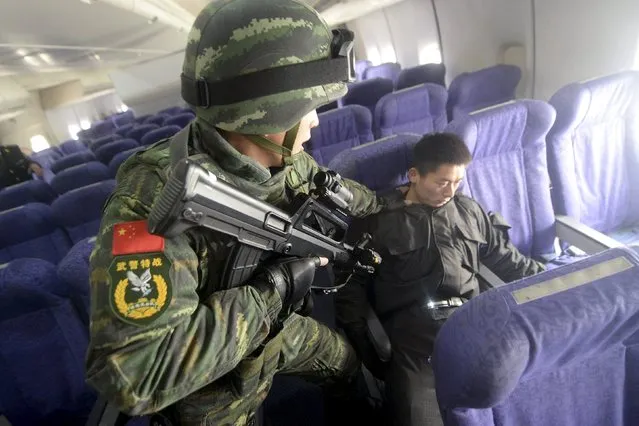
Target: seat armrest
582, 236
377, 335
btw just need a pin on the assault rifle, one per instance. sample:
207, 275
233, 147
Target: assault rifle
195, 197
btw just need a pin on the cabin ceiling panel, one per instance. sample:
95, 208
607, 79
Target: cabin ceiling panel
55, 35
58, 36
65, 22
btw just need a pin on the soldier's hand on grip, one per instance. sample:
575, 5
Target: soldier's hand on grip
290, 278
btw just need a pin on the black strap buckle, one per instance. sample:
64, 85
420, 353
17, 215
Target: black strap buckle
203, 95
196, 92
453, 302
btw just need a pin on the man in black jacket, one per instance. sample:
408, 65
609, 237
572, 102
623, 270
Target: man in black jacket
15, 167
432, 242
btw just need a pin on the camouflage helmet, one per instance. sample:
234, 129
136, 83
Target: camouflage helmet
258, 67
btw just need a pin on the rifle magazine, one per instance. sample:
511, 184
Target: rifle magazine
240, 265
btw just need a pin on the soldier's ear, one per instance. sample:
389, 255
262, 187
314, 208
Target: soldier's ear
413, 175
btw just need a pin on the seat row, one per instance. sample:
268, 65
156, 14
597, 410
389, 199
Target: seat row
73, 179
145, 131
109, 150
110, 124
106, 148
412, 107
468, 91
585, 141
42, 368
402, 77
420, 109
47, 232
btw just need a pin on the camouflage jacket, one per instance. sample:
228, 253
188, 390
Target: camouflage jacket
162, 325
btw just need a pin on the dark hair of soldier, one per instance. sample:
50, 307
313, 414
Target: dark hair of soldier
436, 149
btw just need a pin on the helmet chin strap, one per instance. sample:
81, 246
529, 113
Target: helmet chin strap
285, 150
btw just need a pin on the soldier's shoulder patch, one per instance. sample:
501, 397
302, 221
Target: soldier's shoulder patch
140, 288
140, 284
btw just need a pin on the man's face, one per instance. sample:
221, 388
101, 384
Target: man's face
436, 188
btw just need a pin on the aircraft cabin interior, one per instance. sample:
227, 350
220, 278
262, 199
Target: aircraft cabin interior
544, 93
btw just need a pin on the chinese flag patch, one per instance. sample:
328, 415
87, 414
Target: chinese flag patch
133, 237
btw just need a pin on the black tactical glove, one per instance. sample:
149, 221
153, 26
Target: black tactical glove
290, 278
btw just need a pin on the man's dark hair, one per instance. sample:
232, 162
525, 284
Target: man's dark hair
436, 149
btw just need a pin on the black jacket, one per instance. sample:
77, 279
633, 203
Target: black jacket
429, 255
14, 166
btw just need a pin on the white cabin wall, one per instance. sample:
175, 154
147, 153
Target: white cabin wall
397, 33
54, 124
412, 26
376, 37
151, 86
582, 39
158, 99
474, 33
33, 121
79, 113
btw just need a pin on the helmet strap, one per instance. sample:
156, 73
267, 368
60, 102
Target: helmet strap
291, 137
285, 150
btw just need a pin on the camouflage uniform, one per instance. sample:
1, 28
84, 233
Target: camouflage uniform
165, 332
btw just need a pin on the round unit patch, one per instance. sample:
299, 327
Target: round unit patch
140, 289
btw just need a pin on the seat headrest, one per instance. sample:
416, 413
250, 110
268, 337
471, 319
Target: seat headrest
381, 165
597, 100
507, 126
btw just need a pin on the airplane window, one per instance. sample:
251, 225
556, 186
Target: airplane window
39, 143
85, 124
388, 54
373, 56
46, 58
430, 54
31, 61
73, 131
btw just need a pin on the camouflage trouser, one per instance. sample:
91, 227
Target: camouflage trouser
304, 347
